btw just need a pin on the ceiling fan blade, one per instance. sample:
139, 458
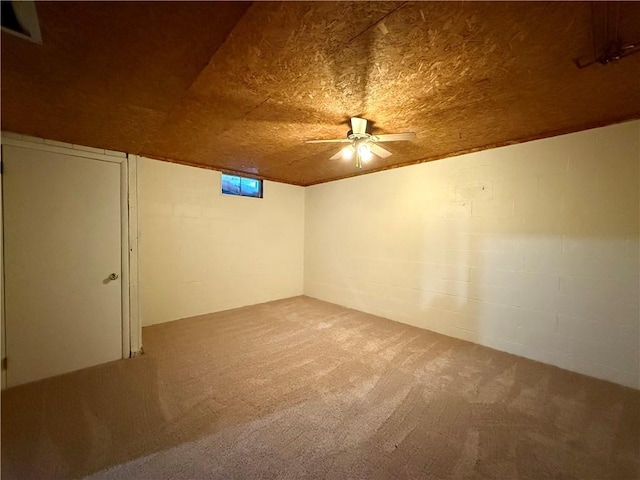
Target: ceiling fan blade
332, 140
358, 125
379, 151
395, 137
337, 155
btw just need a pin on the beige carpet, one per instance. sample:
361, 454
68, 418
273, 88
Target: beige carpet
300, 388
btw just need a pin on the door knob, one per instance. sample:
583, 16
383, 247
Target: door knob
113, 276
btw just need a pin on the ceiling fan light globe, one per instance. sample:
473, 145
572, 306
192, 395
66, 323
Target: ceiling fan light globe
347, 152
364, 152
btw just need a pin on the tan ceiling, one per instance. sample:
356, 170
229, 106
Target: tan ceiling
239, 86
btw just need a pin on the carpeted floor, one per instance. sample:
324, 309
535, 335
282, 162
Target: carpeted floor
300, 388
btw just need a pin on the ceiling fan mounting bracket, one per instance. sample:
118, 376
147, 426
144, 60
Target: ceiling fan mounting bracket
360, 136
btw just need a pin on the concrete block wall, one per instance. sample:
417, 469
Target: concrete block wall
531, 249
203, 252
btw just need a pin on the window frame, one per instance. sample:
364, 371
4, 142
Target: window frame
240, 193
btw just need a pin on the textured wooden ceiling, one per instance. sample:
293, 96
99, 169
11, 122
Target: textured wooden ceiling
239, 86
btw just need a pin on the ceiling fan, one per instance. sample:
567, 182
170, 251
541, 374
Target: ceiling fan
362, 144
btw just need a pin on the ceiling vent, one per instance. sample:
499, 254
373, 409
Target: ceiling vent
20, 18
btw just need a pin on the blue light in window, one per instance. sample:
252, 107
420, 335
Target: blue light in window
246, 187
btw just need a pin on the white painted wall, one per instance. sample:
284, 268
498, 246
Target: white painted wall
531, 249
202, 252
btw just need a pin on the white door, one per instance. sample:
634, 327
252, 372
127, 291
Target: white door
61, 242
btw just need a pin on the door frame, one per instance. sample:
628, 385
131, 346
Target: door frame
131, 326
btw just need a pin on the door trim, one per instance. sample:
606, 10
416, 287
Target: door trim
131, 326
135, 329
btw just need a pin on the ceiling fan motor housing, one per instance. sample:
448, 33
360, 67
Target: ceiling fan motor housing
359, 136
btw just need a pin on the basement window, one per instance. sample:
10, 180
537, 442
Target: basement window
242, 186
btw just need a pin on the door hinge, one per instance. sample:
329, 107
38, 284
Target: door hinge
4, 363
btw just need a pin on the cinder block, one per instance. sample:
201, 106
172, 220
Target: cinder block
580, 286
623, 377
156, 209
455, 209
461, 258
543, 255
463, 173
596, 309
532, 282
544, 341
510, 225
618, 178
538, 209
404, 274
584, 328
494, 294
451, 287
504, 345
489, 242
567, 305
402, 294
458, 273
430, 283
504, 190
625, 313
211, 212
568, 325
623, 347
494, 319
628, 284
552, 186
513, 261
193, 197
538, 320
443, 302
483, 275
463, 334
455, 319
471, 192
493, 207
598, 370
588, 351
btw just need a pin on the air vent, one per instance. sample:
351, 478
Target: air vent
20, 18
